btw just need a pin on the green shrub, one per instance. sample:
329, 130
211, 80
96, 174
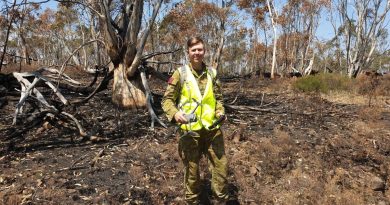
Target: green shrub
323, 83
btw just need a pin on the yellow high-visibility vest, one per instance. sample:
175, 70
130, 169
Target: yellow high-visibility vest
190, 96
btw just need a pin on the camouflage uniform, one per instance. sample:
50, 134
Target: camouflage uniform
195, 143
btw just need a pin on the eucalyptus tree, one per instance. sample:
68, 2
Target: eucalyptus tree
363, 25
263, 13
207, 19
7, 21
124, 36
300, 22
46, 41
273, 16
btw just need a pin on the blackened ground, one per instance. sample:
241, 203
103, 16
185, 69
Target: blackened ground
283, 148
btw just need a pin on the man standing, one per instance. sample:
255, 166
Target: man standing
193, 100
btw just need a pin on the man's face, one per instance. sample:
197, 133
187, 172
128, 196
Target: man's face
196, 53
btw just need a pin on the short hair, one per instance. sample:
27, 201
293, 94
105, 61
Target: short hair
194, 40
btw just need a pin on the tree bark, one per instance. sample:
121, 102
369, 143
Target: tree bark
362, 36
218, 53
127, 93
95, 45
7, 34
271, 11
124, 46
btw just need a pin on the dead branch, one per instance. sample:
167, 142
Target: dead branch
9, 81
76, 89
79, 160
235, 99
163, 62
149, 100
57, 92
157, 74
237, 93
27, 3
57, 72
104, 70
60, 74
95, 77
26, 88
102, 85
96, 158
29, 88
140, 48
151, 55
244, 108
81, 130
73, 168
37, 77
71, 83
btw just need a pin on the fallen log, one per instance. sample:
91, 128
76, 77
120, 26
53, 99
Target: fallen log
29, 89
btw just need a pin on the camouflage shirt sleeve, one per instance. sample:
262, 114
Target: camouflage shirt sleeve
218, 96
171, 95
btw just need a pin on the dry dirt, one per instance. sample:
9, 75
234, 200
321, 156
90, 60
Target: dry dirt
283, 148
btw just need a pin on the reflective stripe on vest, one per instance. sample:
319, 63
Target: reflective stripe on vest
191, 95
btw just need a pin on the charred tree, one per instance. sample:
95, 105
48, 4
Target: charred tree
124, 46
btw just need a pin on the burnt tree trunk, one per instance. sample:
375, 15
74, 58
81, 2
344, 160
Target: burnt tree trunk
127, 93
124, 46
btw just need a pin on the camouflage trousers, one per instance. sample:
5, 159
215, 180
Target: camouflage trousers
194, 144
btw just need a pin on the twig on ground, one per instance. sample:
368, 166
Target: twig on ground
245, 108
81, 130
96, 158
262, 98
73, 168
237, 93
78, 160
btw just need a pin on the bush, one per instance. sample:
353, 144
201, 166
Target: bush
373, 85
323, 83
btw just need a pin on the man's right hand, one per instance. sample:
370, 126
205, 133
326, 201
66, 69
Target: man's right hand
180, 118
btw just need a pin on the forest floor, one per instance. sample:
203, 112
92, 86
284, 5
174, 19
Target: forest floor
283, 148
